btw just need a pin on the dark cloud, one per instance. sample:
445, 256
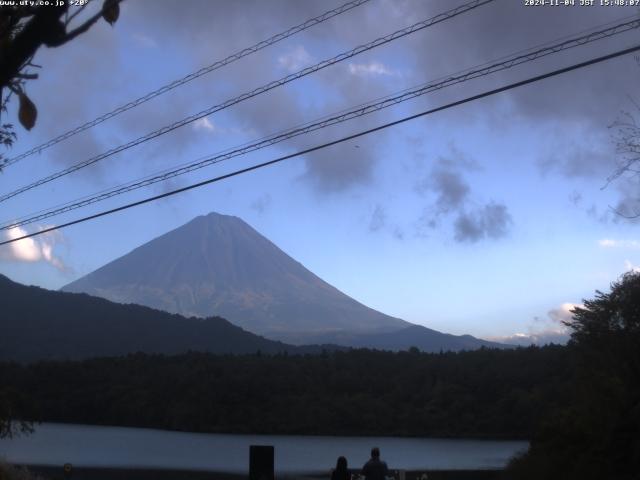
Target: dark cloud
330, 170
83, 147
593, 95
446, 180
451, 196
210, 30
171, 146
469, 228
262, 203
427, 221
72, 89
378, 219
575, 198
235, 22
381, 222
451, 189
339, 168
200, 28
589, 155
169, 185
491, 221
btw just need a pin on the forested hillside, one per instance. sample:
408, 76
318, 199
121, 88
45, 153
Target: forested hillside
41, 324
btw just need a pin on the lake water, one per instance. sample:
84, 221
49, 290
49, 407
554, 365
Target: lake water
86, 445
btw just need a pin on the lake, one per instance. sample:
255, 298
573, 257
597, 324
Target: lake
96, 446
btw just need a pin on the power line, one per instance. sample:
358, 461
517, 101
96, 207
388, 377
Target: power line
479, 96
265, 88
361, 110
192, 76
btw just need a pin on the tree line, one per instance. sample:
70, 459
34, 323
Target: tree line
483, 393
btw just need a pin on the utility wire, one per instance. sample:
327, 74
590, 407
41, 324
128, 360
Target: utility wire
485, 94
192, 76
265, 88
345, 115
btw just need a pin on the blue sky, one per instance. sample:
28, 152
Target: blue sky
486, 219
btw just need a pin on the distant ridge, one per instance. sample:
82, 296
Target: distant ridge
424, 338
219, 265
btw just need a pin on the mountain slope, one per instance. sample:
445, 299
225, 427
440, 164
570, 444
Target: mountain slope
41, 324
219, 265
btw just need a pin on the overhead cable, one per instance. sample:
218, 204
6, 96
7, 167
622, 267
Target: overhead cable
260, 90
485, 94
361, 110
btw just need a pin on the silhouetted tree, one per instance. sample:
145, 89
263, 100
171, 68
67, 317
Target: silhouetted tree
626, 135
596, 434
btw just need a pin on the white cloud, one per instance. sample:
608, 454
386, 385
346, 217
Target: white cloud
32, 249
544, 330
563, 312
372, 68
26, 250
204, 124
538, 338
610, 243
295, 60
630, 267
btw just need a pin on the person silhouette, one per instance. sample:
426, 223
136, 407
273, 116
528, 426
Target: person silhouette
375, 469
341, 471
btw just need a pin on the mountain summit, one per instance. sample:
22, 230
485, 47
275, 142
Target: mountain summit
219, 265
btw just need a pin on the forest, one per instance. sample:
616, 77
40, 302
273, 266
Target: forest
483, 393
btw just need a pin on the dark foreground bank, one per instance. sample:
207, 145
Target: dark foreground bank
96, 473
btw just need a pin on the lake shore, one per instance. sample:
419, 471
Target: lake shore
105, 473
139, 450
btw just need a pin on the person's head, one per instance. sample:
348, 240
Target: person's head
341, 464
375, 452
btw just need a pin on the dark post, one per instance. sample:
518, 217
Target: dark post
67, 469
261, 462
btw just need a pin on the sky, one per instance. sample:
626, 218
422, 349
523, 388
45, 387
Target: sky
493, 218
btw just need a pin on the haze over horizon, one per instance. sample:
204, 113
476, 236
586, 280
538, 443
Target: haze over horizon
487, 219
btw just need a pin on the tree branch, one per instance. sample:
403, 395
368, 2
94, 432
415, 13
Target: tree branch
78, 31
75, 14
87, 24
27, 76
